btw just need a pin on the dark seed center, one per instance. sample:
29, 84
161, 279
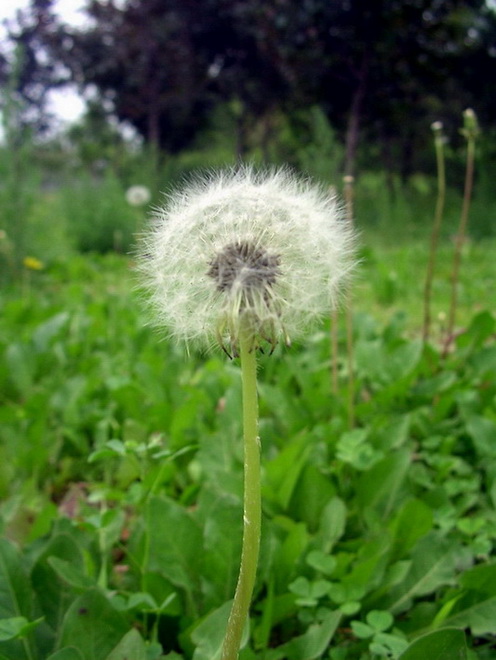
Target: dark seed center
245, 263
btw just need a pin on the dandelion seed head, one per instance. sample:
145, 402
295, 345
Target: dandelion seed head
265, 249
138, 195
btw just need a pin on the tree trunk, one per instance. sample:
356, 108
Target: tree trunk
354, 118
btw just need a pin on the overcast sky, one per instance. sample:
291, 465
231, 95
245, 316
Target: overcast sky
68, 9
66, 104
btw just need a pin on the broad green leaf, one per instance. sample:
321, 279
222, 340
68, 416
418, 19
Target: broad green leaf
131, 647
186, 416
446, 644
21, 366
69, 653
175, 543
476, 613
394, 435
93, 626
288, 410
362, 630
435, 385
368, 568
312, 644
384, 364
159, 595
388, 645
480, 329
144, 601
208, 635
480, 578
475, 606
43, 523
433, 565
379, 620
484, 361
67, 399
483, 433
15, 592
332, 524
54, 582
218, 463
403, 360
74, 577
288, 553
46, 331
309, 592
321, 562
15, 599
311, 494
353, 448
222, 518
261, 633
412, 522
378, 488
16, 627
283, 472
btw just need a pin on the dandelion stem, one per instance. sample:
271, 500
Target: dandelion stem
252, 500
348, 196
334, 349
470, 132
438, 217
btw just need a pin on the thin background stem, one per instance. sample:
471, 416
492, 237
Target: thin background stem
438, 217
348, 198
334, 350
470, 131
252, 510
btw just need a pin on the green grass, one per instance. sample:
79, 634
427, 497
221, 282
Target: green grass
121, 457
392, 278
121, 475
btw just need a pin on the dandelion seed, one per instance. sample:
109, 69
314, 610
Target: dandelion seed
266, 250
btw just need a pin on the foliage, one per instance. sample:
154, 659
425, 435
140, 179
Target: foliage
385, 71
121, 476
98, 216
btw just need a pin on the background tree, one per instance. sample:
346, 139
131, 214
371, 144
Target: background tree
145, 63
382, 71
27, 72
387, 67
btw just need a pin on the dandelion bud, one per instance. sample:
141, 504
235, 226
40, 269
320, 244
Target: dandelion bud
470, 128
264, 252
437, 126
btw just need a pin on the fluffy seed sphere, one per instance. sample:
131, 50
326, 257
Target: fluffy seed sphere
138, 195
263, 251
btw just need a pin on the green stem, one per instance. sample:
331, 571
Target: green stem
102, 541
334, 350
460, 238
438, 218
252, 514
348, 196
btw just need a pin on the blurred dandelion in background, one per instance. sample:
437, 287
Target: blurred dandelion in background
138, 195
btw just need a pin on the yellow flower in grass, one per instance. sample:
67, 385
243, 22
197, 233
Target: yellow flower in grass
32, 263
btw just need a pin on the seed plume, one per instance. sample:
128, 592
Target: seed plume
236, 247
